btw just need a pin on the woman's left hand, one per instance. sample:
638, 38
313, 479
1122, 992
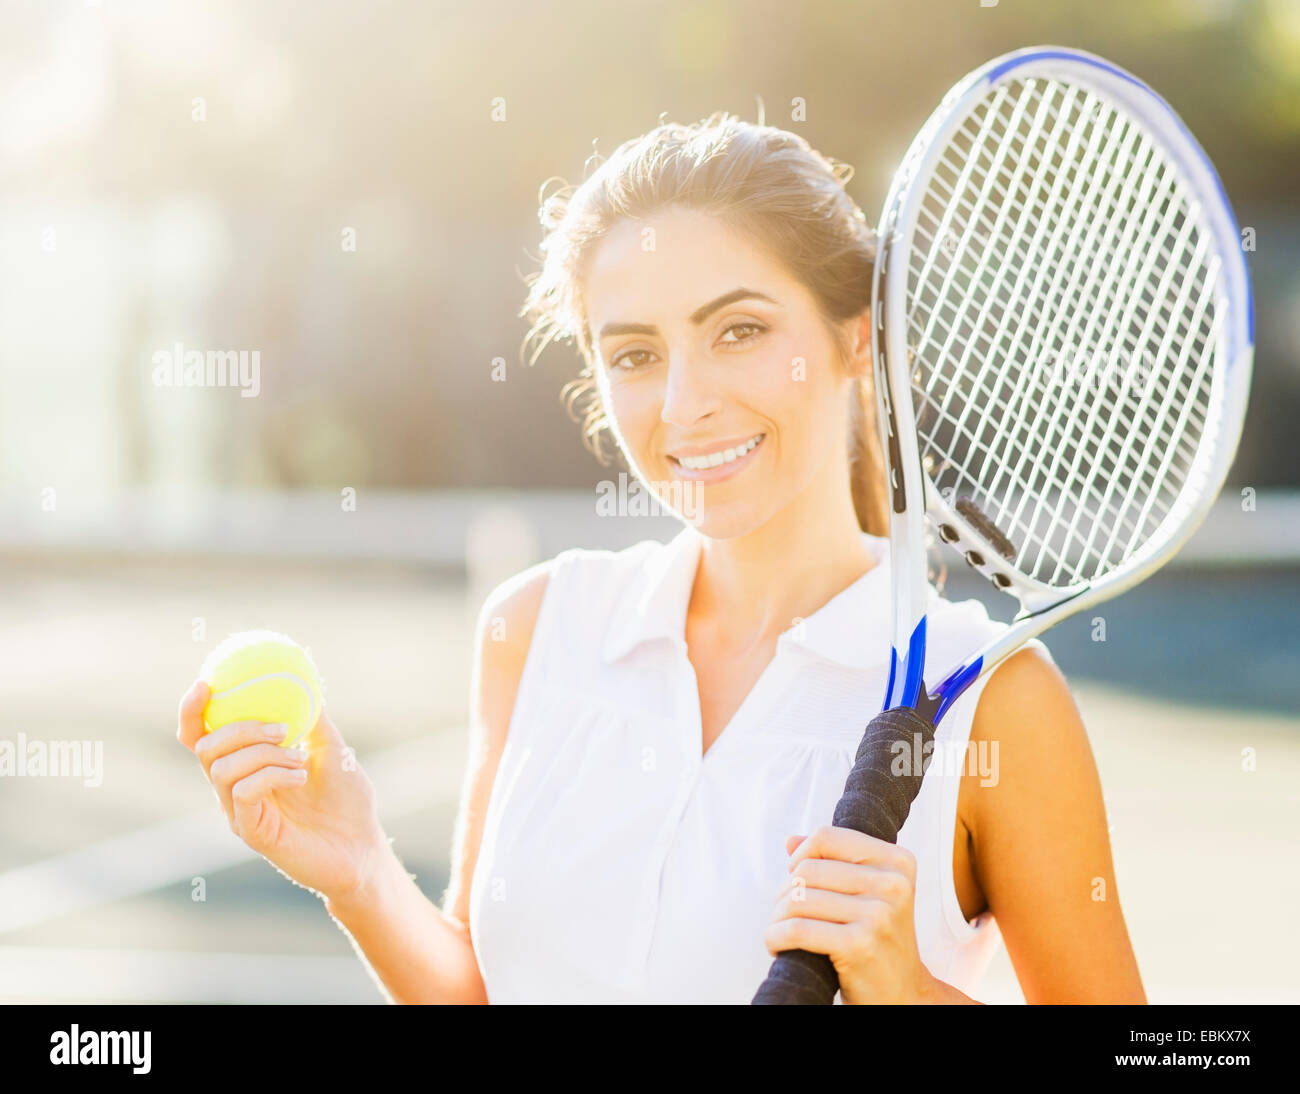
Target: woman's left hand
850, 896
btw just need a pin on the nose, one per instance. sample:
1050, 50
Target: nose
689, 394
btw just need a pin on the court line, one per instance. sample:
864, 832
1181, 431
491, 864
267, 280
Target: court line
407, 777
52, 973
43, 974
430, 527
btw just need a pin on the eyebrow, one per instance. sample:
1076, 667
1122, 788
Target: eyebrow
698, 316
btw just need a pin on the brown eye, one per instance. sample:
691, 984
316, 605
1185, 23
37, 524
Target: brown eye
628, 360
753, 330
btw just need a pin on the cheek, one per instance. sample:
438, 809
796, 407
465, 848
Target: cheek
633, 410
796, 392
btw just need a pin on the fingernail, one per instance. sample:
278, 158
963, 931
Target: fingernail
300, 775
276, 732
297, 753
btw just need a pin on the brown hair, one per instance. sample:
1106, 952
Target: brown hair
765, 183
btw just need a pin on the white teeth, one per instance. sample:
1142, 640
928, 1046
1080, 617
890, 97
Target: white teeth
717, 459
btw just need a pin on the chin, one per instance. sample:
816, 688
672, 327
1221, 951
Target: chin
726, 521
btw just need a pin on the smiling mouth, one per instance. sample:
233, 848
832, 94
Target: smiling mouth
720, 458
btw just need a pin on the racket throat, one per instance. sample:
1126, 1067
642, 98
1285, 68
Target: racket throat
906, 686
929, 707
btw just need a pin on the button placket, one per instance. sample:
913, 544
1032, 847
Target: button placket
686, 766
774, 679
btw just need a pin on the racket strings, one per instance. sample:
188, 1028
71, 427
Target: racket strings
967, 403
1019, 252
1015, 247
1074, 290
1061, 311
997, 337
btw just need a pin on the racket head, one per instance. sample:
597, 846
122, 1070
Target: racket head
1064, 340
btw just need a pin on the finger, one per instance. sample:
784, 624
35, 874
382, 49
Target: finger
800, 902
791, 842
813, 935
886, 883
221, 742
189, 721
848, 845
236, 766
852, 878
251, 796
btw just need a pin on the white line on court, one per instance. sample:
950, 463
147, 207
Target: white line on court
407, 777
50, 973
428, 527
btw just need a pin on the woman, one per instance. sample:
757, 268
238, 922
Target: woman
659, 735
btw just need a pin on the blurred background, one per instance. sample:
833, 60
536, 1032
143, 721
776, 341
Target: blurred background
350, 192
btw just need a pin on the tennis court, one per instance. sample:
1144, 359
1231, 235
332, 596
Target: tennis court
98, 884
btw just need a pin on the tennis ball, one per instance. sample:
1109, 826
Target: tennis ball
261, 676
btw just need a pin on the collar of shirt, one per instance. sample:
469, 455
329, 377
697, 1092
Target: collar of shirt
850, 629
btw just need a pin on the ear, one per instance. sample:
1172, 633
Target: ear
859, 363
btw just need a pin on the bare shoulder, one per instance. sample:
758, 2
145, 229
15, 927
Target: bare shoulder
1040, 842
509, 614
506, 623
1027, 689
1028, 718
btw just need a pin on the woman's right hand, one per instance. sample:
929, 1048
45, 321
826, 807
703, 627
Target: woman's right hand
310, 811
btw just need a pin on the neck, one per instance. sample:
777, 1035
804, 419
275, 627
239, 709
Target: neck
751, 588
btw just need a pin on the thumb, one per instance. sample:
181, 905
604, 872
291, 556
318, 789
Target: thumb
324, 735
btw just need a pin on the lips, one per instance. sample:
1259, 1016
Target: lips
714, 464
704, 457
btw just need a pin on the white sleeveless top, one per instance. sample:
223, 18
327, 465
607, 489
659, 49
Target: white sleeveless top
618, 864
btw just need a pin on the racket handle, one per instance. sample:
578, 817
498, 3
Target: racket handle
876, 801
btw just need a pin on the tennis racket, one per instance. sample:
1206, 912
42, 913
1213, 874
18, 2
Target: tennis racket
1064, 339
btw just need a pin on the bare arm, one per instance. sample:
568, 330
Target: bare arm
505, 634
1041, 846
416, 951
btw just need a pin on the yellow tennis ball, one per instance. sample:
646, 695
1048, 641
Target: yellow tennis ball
261, 676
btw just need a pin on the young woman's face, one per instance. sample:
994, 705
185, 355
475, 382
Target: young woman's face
717, 372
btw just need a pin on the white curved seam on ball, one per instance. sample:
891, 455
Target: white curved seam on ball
294, 677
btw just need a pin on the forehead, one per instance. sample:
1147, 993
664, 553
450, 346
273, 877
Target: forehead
663, 268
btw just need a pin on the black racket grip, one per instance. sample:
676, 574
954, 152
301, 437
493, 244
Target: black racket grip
878, 795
